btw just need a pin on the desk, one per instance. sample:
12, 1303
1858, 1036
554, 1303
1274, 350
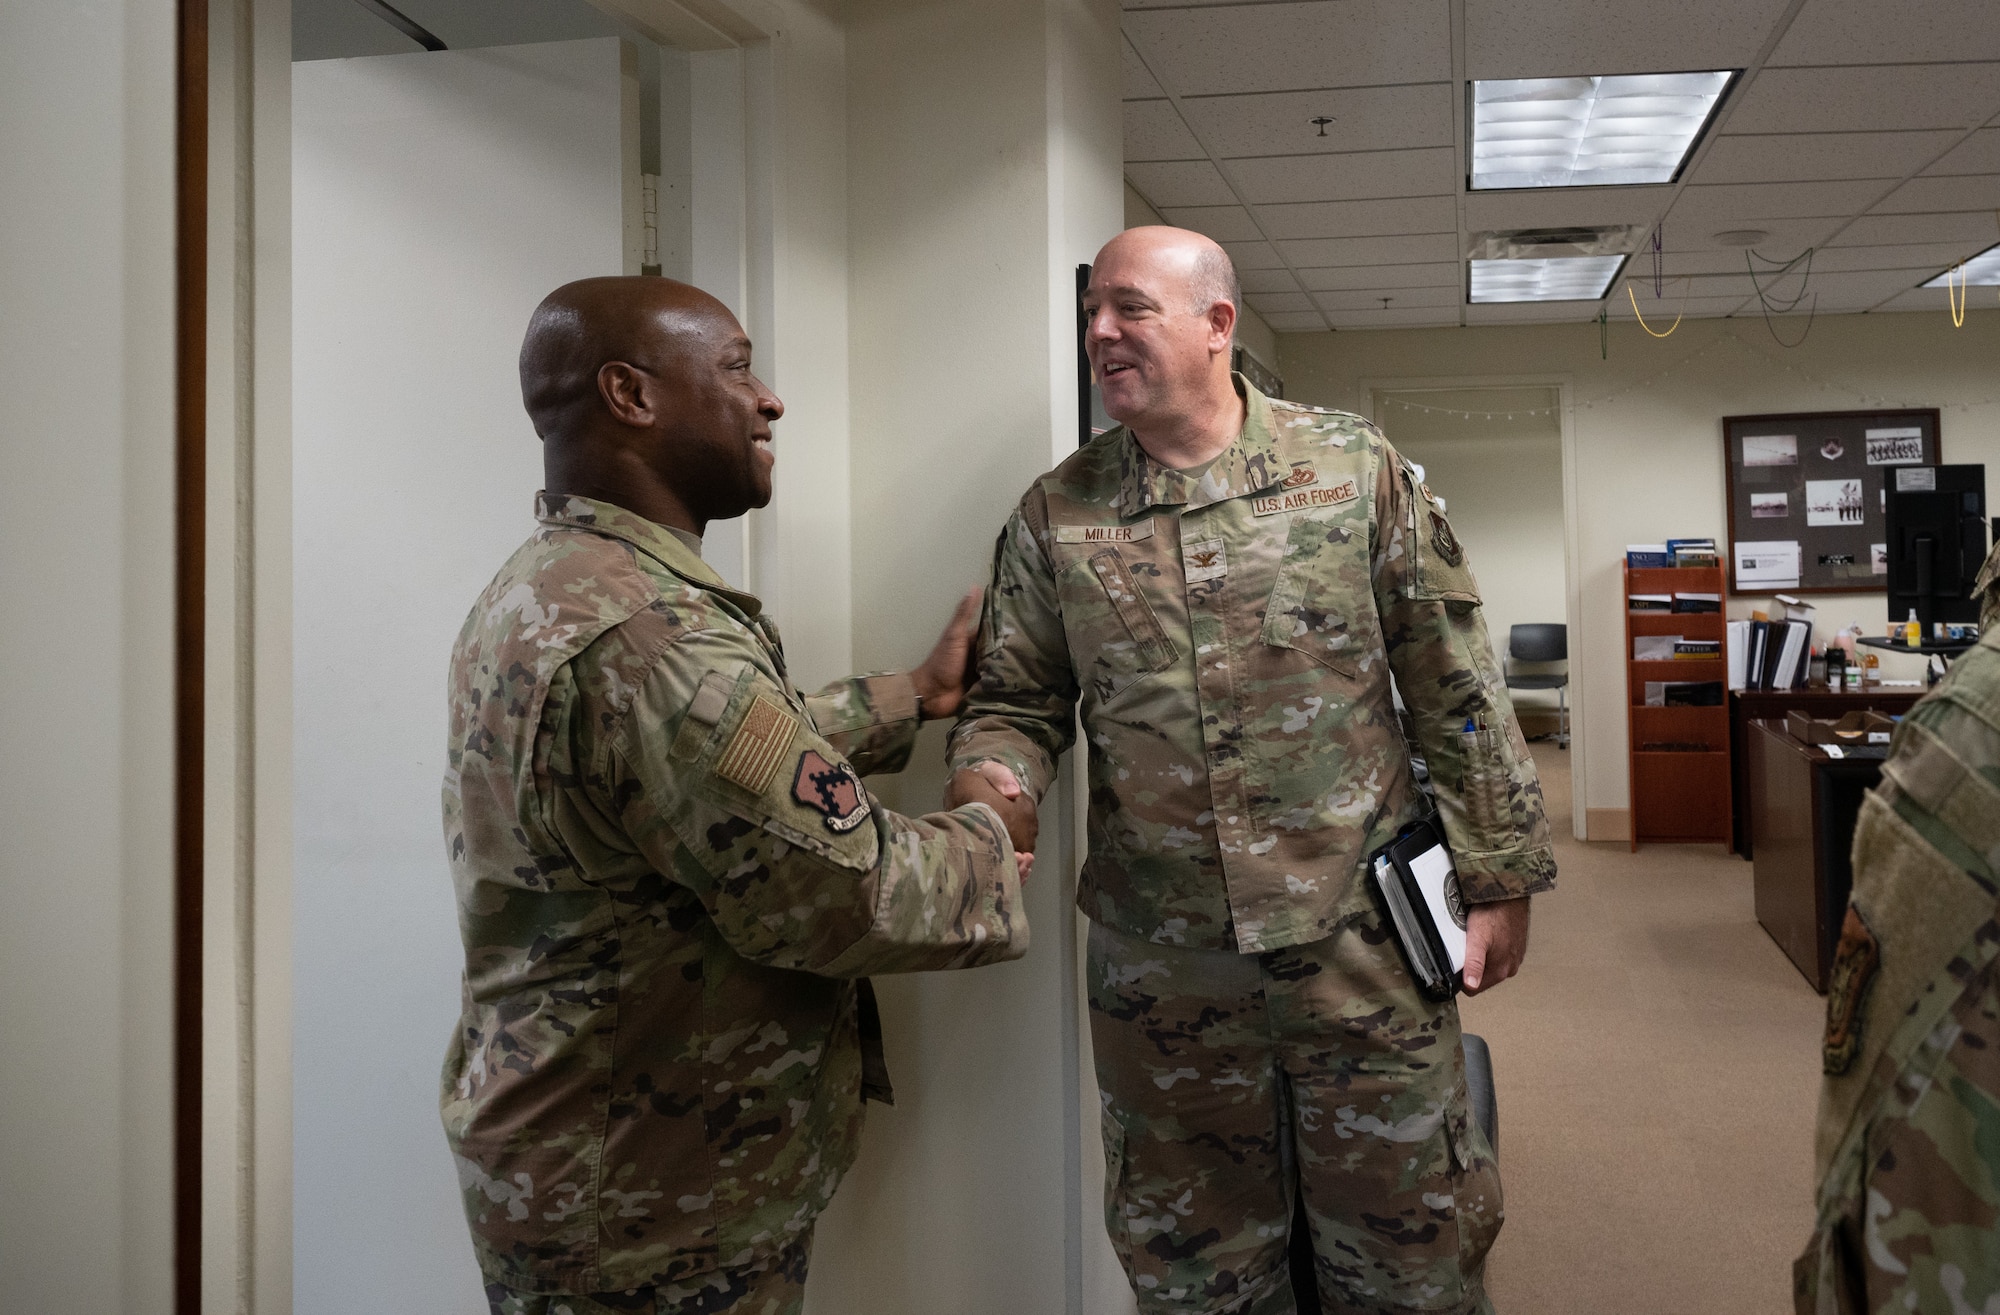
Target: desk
1803, 807
1748, 705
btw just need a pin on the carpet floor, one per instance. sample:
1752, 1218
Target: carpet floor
1657, 1063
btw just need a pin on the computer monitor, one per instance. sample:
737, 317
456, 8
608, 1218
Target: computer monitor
1937, 541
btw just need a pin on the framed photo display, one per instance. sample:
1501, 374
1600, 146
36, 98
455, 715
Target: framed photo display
1806, 496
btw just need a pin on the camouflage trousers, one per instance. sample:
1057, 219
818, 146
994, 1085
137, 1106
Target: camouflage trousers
1231, 1082
776, 1286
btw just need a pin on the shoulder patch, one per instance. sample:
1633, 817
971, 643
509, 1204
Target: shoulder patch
758, 744
1854, 965
830, 789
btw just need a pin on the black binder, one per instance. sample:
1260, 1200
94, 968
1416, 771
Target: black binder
1419, 884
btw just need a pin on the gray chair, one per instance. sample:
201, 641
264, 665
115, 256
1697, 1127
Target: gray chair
1542, 642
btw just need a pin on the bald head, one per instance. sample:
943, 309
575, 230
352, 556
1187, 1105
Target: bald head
642, 392
1200, 266
581, 327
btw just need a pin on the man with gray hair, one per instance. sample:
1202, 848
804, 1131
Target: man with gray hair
1225, 586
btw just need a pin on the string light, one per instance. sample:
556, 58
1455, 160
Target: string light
1642, 319
1957, 299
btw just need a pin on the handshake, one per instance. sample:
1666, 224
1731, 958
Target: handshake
942, 682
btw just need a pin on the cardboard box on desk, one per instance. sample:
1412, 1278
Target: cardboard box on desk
1859, 727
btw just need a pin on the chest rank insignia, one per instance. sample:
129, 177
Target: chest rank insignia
1206, 560
1300, 477
1854, 965
830, 789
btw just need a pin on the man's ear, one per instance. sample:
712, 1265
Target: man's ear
1221, 327
628, 393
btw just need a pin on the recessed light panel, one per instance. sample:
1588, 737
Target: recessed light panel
1589, 132
1554, 278
1982, 271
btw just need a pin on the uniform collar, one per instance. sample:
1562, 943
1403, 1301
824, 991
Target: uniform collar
1250, 464
570, 511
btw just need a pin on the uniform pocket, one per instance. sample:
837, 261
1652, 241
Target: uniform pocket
1300, 617
1485, 786
1114, 1186
1117, 635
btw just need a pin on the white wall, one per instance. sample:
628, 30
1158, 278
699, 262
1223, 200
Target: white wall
437, 199
984, 161
1647, 427
86, 554
1502, 482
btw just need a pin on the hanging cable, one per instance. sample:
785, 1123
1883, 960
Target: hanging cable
1767, 301
1957, 299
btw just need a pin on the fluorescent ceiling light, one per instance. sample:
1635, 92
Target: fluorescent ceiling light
1546, 278
1982, 271
1589, 132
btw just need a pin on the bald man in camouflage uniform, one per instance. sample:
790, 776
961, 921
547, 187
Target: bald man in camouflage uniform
1909, 1121
1230, 633
669, 874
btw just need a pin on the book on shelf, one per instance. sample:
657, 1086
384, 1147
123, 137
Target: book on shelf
1683, 693
1686, 602
1649, 602
1796, 609
1645, 556
1676, 545
1692, 558
1697, 649
1654, 648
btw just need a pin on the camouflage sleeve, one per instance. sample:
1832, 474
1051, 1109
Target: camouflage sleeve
1489, 796
1021, 711
725, 788
872, 720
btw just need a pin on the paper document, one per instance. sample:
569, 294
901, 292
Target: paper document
1432, 869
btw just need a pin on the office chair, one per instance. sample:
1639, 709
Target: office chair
1542, 642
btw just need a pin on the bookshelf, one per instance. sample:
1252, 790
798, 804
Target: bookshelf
1681, 794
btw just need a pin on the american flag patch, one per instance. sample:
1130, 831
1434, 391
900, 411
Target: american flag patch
760, 741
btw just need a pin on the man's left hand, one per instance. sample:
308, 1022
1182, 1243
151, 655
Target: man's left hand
1496, 940
946, 674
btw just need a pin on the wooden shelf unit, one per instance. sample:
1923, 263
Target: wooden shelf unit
1677, 795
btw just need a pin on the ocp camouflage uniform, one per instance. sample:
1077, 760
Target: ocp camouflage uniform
668, 873
1987, 590
1231, 640
1909, 1120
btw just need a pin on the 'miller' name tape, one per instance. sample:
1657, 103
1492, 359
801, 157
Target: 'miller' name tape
1104, 533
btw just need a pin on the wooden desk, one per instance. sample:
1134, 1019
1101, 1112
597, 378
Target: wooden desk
1803, 807
1746, 706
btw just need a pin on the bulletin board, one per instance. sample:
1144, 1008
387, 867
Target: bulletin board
1806, 496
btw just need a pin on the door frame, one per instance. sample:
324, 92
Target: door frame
1372, 387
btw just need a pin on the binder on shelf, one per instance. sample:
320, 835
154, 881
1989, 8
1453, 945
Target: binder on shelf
1760, 640
1738, 645
1415, 875
1684, 602
1795, 662
1649, 602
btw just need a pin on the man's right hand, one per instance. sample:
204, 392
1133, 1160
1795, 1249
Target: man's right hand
992, 784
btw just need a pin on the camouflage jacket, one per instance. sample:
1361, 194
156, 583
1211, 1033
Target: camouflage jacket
1231, 640
1909, 1120
665, 867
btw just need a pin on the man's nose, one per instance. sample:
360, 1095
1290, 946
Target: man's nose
768, 404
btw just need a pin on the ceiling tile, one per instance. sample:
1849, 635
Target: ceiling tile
1920, 256
1570, 38
1139, 84
1400, 298
1977, 229
1437, 274
1838, 291
1555, 207
1792, 157
1289, 47
1266, 280
1897, 97
1185, 4
1295, 322
1252, 255
1934, 301
1661, 318
1369, 119
1180, 182
1372, 250
1739, 205
1224, 223
1531, 312
1868, 32
1923, 195
1787, 238
1279, 303
1423, 214
1395, 318
1349, 176
1978, 154
1153, 131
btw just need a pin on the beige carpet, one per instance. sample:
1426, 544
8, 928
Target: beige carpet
1657, 1063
